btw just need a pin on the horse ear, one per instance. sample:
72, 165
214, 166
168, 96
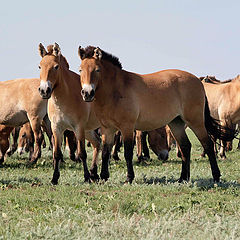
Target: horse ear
56, 50
97, 53
42, 50
81, 52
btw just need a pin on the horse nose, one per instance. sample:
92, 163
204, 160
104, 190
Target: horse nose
82, 92
48, 90
163, 155
92, 93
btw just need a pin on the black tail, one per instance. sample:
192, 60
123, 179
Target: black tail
214, 128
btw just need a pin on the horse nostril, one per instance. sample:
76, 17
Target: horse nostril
48, 90
39, 89
82, 92
92, 93
42, 91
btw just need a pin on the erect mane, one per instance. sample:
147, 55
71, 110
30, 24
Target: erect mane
213, 80
63, 60
89, 52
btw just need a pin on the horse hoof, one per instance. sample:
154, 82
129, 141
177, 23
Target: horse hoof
94, 177
54, 181
116, 158
104, 176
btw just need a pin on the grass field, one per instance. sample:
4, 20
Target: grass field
155, 206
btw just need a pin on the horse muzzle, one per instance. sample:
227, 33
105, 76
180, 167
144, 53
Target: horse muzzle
45, 89
88, 96
163, 155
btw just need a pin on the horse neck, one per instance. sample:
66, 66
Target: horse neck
61, 84
112, 81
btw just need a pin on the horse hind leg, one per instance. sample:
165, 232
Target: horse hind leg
208, 145
95, 140
177, 127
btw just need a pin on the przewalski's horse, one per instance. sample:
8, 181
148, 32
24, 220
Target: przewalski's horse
20, 102
126, 101
224, 103
66, 109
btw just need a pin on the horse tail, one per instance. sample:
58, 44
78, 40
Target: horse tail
215, 129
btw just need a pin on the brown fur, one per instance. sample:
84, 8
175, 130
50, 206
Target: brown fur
67, 110
146, 105
224, 103
20, 102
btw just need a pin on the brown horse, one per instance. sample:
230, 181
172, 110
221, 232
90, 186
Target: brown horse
224, 103
126, 101
21, 103
66, 109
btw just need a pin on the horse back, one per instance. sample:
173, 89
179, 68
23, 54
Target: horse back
20, 98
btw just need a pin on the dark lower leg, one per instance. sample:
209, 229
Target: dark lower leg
57, 157
105, 161
209, 149
128, 154
82, 156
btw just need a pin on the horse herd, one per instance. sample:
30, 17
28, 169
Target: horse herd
118, 102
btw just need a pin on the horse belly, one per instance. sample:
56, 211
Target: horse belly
15, 119
154, 121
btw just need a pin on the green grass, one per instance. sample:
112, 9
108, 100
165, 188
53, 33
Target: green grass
155, 206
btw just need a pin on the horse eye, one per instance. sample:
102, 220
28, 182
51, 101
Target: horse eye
80, 70
97, 70
39, 67
56, 67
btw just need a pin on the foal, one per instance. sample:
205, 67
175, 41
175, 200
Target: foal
66, 109
126, 101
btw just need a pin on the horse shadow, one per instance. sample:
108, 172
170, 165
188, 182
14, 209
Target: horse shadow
200, 183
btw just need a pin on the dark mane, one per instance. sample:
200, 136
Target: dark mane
213, 80
89, 52
63, 60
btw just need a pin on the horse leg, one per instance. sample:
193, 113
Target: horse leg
38, 137
208, 145
145, 146
48, 130
107, 141
117, 145
139, 145
71, 139
14, 146
222, 149
30, 143
95, 140
177, 127
57, 154
81, 153
128, 152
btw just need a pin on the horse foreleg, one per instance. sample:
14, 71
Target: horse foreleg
107, 141
95, 140
81, 152
117, 145
128, 153
71, 140
139, 145
38, 137
57, 155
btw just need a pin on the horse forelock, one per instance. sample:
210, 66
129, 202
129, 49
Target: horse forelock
89, 52
62, 58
